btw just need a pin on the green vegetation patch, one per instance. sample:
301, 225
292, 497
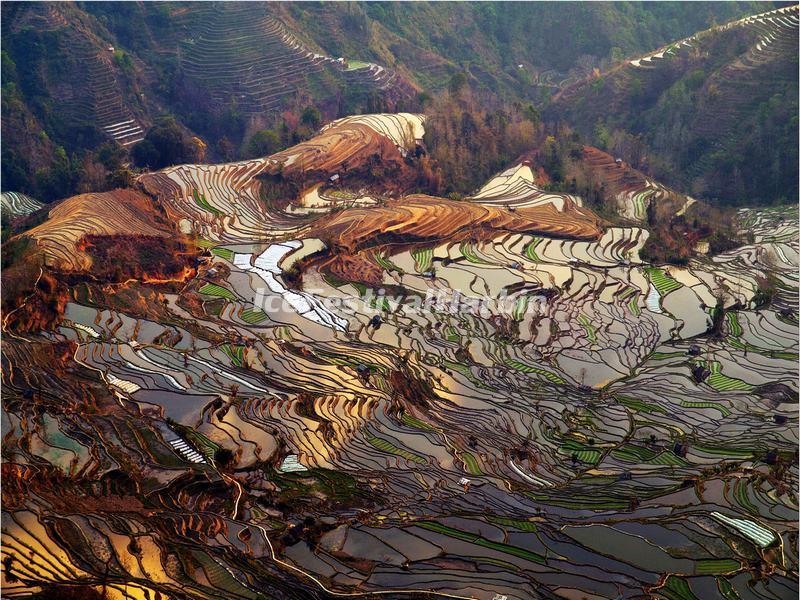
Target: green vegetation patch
332, 280
387, 264
515, 523
225, 253
352, 65
388, 447
472, 538
668, 458
779, 354
718, 566
663, 282
582, 502
634, 306
212, 289
726, 589
200, 200
423, 259
214, 307
640, 405
666, 355
349, 361
676, 588
723, 383
740, 494
235, 353
305, 485
414, 422
520, 366
530, 250
591, 330
468, 252
733, 324
253, 315
586, 454
698, 404
520, 308
472, 464
633, 454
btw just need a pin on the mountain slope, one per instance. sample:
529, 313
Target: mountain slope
77, 76
490, 41
714, 114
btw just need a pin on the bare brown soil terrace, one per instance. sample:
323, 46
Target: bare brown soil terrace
420, 218
109, 213
354, 235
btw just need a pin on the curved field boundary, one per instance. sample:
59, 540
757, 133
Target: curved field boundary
16, 203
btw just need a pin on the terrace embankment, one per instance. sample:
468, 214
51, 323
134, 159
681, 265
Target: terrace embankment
121, 212
245, 201
420, 219
112, 237
352, 146
147, 258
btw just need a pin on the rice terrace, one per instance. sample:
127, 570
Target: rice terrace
474, 300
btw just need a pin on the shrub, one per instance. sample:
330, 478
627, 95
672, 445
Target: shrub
262, 143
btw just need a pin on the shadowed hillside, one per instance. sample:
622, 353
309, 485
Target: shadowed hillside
77, 77
714, 114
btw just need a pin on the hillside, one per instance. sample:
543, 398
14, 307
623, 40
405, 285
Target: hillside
80, 76
509, 50
714, 114
92, 74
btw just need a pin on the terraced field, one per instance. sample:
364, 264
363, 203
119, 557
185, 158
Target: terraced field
14, 203
108, 213
516, 188
89, 83
225, 202
243, 53
774, 28
518, 406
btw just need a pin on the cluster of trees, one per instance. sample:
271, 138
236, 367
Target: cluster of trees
672, 239
67, 175
469, 144
166, 143
493, 38
291, 130
756, 164
731, 140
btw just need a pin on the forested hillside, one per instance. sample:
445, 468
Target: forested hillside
510, 49
714, 114
222, 81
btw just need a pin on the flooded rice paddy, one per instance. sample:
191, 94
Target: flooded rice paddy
577, 436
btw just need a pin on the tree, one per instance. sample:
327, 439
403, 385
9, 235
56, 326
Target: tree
531, 114
165, 144
226, 149
262, 143
311, 117
223, 457
457, 83
145, 154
